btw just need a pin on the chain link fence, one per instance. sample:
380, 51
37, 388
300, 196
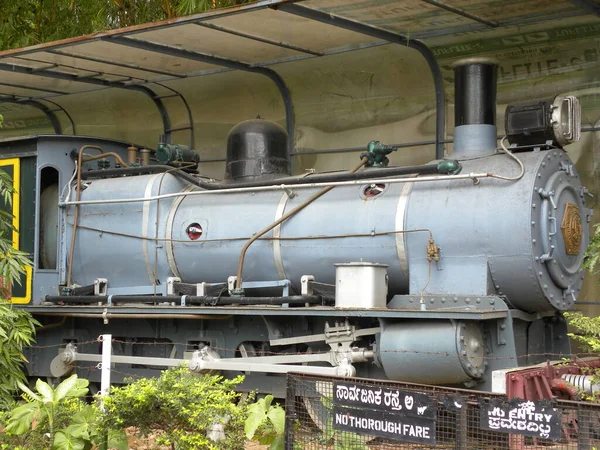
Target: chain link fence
360, 414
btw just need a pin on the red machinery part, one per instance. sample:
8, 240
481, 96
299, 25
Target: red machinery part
546, 381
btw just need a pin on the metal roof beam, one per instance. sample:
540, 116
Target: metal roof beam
40, 69
559, 15
7, 67
23, 86
259, 39
117, 64
8, 98
50, 114
461, 13
589, 6
89, 72
218, 61
187, 108
92, 75
177, 52
64, 111
358, 27
69, 77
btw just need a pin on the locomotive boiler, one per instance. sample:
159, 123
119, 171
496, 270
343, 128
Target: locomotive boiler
440, 273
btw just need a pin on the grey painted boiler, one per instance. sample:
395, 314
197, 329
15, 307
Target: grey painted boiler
497, 237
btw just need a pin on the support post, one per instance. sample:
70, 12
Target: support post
358, 27
105, 365
105, 378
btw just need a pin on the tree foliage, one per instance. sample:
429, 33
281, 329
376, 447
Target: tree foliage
17, 330
30, 22
589, 327
17, 327
587, 333
593, 251
12, 261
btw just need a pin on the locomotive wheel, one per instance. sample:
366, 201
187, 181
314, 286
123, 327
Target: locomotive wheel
246, 349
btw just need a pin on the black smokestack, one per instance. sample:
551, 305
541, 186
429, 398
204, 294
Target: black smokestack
475, 82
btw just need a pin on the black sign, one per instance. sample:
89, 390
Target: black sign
385, 412
388, 425
383, 399
536, 419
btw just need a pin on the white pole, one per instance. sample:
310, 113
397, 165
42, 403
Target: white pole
105, 365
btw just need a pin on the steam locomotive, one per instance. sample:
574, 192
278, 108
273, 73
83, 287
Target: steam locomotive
439, 273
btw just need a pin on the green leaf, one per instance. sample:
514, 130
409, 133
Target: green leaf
21, 419
63, 388
46, 391
79, 390
278, 443
29, 392
267, 402
79, 431
117, 439
86, 415
277, 416
255, 418
65, 441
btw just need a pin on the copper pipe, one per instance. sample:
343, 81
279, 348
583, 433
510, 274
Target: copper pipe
80, 162
300, 207
104, 155
76, 213
49, 326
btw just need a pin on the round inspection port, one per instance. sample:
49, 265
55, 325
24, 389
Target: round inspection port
194, 231
373, 190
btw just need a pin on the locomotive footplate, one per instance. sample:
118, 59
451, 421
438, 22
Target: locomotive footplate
103, 312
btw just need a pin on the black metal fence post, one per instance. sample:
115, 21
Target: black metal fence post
584, 424
290, 411
461, 428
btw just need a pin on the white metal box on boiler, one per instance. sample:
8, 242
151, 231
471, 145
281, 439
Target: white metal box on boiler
361, 285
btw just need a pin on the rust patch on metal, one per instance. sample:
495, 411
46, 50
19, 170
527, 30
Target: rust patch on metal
572, 230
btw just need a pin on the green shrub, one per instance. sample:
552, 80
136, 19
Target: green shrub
588, 328
183, 410
593, 251
588, 336
56, 419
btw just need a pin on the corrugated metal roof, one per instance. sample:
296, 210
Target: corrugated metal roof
259, 36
